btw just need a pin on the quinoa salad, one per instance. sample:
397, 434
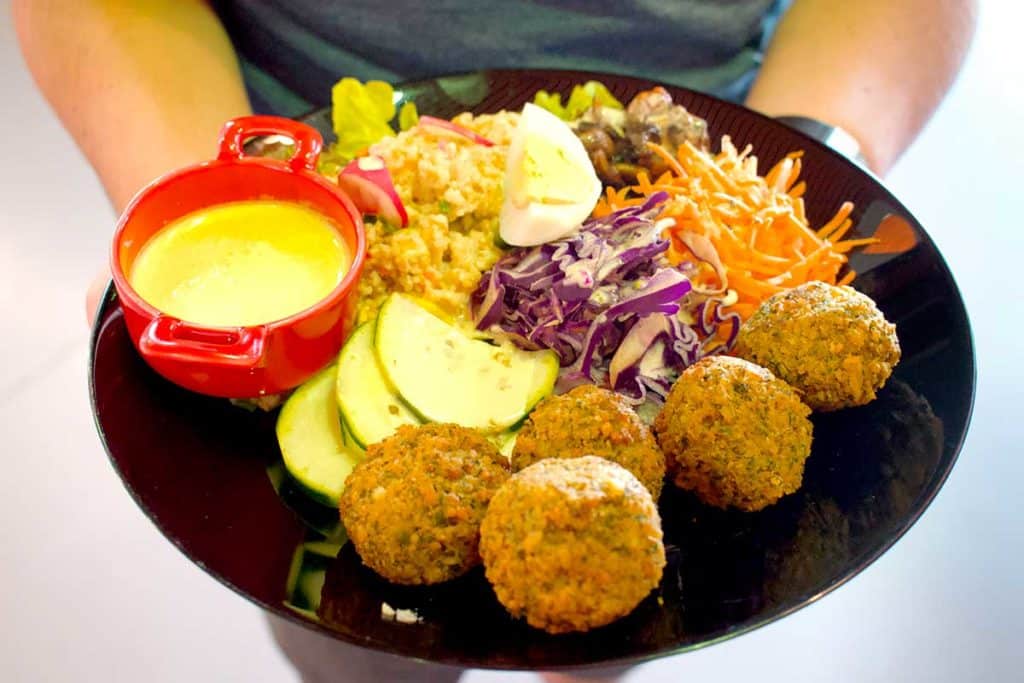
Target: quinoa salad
452, 193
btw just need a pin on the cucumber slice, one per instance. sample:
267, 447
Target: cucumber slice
313, 447
310, 563
445, 375
505, 442
315, 511
371, 408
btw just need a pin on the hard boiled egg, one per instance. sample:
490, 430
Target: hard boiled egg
550, 184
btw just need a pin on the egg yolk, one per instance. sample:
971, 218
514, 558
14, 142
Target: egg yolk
242, 263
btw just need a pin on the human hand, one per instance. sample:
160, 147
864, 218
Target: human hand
609, 676
876, 69
95, 293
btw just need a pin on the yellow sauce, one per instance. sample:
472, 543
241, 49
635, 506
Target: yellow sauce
244, 263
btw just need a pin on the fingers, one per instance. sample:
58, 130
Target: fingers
95, 293
597, 677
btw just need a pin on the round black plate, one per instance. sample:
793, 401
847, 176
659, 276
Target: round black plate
199, 467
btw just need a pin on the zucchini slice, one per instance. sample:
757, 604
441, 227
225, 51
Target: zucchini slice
313, 445
446, 375
371, 408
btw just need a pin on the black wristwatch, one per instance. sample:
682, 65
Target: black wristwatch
827, 134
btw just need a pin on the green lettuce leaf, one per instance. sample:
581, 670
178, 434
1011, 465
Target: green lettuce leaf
580, 100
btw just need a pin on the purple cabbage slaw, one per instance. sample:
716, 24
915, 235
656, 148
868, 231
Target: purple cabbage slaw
608, 303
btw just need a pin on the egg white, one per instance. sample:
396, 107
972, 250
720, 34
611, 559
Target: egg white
528, 221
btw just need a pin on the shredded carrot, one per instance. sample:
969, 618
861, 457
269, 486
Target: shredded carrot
837, 220
664, 154
847, 245
755, 224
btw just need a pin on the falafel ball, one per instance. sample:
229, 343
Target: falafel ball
412, 508
589, 420
572, 544
830, 343
734, 434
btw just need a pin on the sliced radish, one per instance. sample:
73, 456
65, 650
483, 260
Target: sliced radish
367, 182
449, 129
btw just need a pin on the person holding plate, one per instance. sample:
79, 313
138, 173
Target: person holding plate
159, 78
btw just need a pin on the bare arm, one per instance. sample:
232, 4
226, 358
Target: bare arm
143, 86
877, 68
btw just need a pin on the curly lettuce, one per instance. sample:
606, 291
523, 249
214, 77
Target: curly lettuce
361, 115
582, 98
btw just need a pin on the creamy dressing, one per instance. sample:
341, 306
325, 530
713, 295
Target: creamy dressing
243, 263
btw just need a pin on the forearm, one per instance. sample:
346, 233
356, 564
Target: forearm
143, 87
876, 68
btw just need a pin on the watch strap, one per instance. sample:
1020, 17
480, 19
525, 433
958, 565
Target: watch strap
827, 134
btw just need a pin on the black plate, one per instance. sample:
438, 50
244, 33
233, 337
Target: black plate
199, 467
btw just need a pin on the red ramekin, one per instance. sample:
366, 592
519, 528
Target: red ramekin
255, 360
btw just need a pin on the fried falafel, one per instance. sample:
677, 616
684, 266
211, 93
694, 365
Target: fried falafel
830, 343
734, 434
412, 508
589, 420
572, 544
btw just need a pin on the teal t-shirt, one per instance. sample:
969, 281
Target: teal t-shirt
292, 51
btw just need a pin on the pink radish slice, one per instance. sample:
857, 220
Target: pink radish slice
367, 182
449, 129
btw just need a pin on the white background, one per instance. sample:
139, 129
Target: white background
90, 591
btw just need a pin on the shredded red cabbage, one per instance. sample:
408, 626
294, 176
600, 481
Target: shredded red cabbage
607, 302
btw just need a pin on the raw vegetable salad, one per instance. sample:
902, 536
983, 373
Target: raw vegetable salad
590, 276
663, 273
